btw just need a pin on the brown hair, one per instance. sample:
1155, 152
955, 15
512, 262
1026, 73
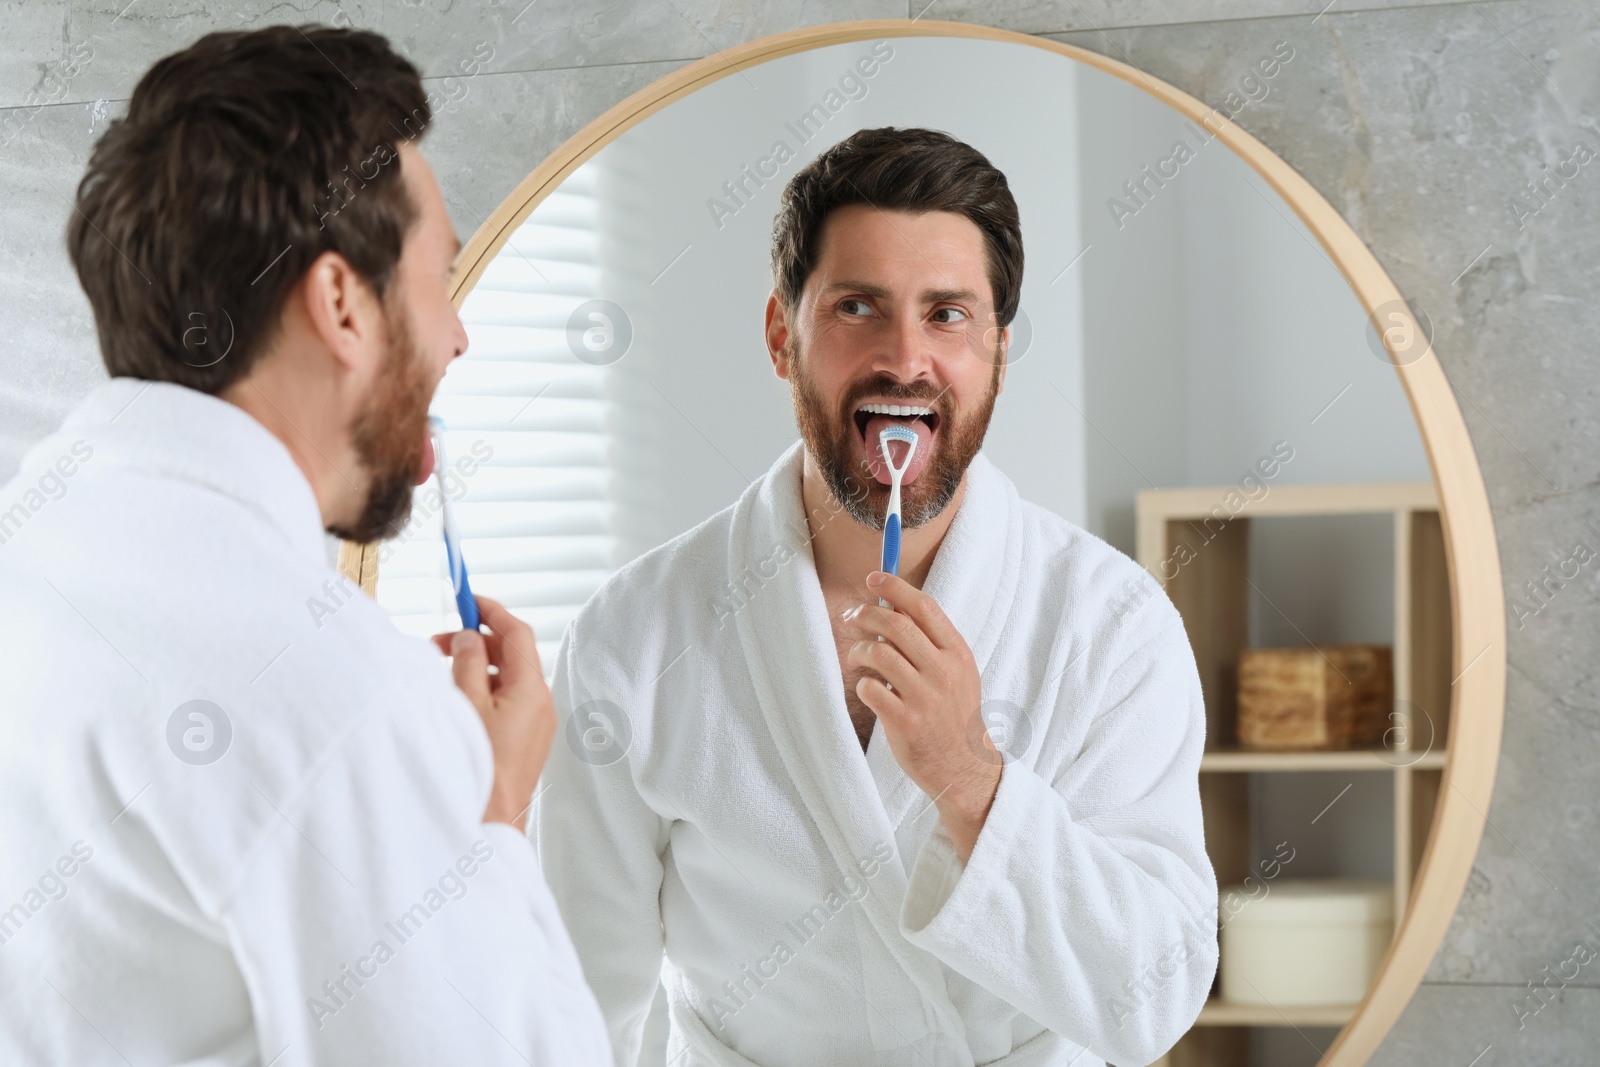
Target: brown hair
240, 160
905, 169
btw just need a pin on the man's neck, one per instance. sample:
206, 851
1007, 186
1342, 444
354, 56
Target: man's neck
284, 399
845, 551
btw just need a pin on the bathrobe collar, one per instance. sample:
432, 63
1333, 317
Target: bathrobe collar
858, 804
172, 431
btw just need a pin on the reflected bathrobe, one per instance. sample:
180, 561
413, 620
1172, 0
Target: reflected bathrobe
709, 801
240, 813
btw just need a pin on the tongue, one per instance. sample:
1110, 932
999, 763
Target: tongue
427, 458
880, 469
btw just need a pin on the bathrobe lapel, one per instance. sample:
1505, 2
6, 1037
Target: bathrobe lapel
788, 648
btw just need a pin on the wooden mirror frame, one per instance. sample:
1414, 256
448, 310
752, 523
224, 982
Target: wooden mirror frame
1478, 660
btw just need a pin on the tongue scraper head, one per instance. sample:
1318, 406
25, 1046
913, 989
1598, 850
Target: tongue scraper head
465, 604
891, 521
906, 436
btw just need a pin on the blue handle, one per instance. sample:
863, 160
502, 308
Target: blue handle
891, 544
465, 604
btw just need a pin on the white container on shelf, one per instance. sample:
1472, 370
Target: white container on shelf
1305, 941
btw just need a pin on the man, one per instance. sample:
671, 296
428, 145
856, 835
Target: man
976, 840
242, 818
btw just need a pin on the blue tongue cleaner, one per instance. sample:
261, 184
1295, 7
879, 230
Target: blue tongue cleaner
891, 521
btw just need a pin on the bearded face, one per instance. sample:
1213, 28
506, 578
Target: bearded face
841, 436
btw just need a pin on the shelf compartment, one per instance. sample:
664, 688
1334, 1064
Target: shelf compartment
1200, 552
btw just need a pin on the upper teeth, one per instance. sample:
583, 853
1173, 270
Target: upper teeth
895, 409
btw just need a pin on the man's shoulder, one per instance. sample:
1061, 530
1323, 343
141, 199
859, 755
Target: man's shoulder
1074, 550
671, 575
1096, 582
194, 590
303, 703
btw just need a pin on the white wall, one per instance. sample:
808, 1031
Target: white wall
1136, 380
1216, 326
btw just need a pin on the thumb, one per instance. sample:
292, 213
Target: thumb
469, 665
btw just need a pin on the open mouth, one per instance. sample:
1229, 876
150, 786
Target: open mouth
902, 413
871, 419
425, 471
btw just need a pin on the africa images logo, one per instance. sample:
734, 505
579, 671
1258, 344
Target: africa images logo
199, 732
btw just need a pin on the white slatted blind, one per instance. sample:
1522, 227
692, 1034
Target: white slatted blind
537, 518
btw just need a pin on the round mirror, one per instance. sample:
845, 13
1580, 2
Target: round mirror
1207, 370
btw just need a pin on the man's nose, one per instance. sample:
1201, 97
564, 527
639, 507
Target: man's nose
460, 341
905, 352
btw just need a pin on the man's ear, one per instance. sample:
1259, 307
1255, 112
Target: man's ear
777, 334
344, 312
1005, 360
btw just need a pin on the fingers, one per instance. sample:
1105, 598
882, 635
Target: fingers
901, 630
923, 609
886, 660
469, 665
885, 704
511, 643
492, 640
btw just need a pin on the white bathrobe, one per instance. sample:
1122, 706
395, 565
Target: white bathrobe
293, 872
709, 799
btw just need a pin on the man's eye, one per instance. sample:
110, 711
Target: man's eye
957, 311
844, 305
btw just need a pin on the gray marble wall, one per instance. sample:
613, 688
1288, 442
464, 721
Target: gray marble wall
1421, 122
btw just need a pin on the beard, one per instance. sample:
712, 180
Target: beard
387, 435
831, 437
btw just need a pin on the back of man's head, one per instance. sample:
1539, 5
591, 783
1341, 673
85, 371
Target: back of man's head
241, 159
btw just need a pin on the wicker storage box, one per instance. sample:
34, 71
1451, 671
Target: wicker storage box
1303, 698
